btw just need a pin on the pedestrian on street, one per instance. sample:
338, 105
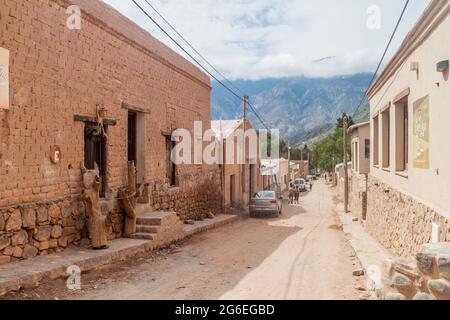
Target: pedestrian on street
310, 186
296, 195
291, 195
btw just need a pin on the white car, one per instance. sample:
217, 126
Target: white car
301, 184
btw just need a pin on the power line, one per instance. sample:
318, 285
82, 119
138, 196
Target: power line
195, 60
192, 47
384, 55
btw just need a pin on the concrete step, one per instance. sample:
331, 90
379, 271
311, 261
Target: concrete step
147, 229
143, 236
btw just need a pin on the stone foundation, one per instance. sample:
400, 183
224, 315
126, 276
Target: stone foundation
46, 227
401, 223
358, 195
424, 277
197, 195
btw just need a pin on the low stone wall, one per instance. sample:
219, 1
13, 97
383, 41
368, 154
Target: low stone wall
197, 195
400, 222
424, 277
358, 195
46, 227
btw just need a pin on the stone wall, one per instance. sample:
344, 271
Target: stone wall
197, 195
423, 277
358, 195
400, 222
49, 226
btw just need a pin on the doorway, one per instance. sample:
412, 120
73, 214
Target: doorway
95, 152
232, 190
132, 134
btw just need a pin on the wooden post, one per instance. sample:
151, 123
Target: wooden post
128, 199
91, 198
344, 122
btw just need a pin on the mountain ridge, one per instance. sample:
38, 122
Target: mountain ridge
302, 108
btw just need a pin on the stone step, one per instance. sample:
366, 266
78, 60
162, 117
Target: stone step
155, 218
147, 228
143, 236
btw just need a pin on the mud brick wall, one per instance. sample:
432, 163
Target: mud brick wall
197, 195
42, 228
57, 73
400, 222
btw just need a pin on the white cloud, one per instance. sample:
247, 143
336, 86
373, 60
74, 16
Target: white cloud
253, 39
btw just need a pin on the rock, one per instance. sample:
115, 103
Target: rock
20, 238
394, 296
443, 263
355, 219
85, 242
425, 263
42, 215
173, 247
29, 252
29, 218
63, 242
189, 222
5, 241
365, 296
69, 231
53, 243
8, 251
360, 288
56, 232
18, 252
358, 272
44, 245
423, 296
210, 215
440, 289
400, 281
54, 212
2, 222
43, 233
5, 260
426, 257
14, 222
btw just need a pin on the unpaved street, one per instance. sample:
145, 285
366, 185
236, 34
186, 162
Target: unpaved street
301, 255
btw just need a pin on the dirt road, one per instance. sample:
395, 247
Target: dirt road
301, 255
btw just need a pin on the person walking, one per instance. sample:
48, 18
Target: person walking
291, 195
296, 195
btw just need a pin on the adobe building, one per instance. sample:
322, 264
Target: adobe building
360, 147
106, 93
240, 181
409, 179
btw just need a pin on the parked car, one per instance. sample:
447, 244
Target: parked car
265, 203
301, 184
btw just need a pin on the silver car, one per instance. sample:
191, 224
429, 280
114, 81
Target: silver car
265, 203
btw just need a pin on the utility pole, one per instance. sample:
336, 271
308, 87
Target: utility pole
244, 162
345, 124
289, 166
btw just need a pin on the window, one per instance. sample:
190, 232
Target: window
401, 135
376, 136
367, 149
170, 166
386, 135
356, 157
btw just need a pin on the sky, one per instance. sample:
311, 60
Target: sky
257, 39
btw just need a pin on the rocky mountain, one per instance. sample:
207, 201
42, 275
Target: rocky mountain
302, 108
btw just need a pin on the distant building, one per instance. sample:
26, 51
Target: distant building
409, 180
360, 146
239, 181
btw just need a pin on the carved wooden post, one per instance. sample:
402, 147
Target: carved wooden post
128, 199
96, 222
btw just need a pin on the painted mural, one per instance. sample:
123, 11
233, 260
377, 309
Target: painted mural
4, 78
421, 133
